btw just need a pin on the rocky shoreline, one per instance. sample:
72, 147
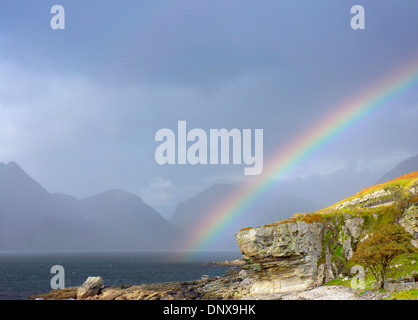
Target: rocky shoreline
230, 286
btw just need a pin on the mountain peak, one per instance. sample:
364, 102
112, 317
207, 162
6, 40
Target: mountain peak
13, 164
12, 172
12, 168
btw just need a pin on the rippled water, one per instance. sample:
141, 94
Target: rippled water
23, 274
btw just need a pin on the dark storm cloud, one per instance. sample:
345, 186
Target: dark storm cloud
81, 106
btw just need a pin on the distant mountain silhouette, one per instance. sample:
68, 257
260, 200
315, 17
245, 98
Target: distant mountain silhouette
31, 218
190, 214
132, 219
404, 167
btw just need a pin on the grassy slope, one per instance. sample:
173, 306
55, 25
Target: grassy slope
395, 191
399, 189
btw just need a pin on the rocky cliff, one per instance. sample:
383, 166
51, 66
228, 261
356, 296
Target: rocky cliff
310, 249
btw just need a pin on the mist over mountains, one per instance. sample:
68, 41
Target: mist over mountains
32, 219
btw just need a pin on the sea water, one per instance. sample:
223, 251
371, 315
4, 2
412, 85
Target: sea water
26, 273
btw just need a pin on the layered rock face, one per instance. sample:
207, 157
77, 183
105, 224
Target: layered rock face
297, 255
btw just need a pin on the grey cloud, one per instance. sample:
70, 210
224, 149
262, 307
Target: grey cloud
80, 108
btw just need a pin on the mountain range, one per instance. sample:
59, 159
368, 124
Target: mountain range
33, 219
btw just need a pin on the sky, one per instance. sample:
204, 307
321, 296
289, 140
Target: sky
80, 107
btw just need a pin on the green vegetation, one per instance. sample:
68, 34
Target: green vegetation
404, 295
406, 265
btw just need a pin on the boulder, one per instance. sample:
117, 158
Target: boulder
91, 287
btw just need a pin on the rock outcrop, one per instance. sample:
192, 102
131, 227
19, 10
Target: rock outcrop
298, 255
308, 250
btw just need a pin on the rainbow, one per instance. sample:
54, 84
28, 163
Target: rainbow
299, 150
